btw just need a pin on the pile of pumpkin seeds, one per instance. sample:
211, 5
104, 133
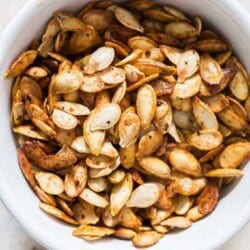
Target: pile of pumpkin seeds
129, 119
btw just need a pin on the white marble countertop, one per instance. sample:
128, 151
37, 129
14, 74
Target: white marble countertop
12, 237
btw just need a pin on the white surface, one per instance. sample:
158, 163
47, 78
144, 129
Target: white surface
12, 236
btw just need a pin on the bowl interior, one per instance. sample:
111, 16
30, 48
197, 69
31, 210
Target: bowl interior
234, 208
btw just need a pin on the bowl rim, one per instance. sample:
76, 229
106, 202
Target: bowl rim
232, 7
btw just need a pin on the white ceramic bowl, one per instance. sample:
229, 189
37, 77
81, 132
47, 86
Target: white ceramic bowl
233, 210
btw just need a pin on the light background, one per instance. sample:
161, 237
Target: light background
12, 237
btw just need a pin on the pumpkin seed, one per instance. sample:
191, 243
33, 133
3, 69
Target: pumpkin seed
144, 196
86, 230
180, 30
93, 198
64, 120
204, 115
92, 84
146, 105
177, 221
224, 172
124, 233
233, 155
155, 166
205, 139
146, 239
157, 14
57, 213
127, 19
21, 63
210, 70
50, 183
101, 59
67, 81
26, 167
149, 143
94, 139
189, 88
105, 117
184, 162
75, 180
84, 213
120, 194
187, 64
112, 75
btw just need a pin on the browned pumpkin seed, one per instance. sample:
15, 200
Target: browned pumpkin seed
177, 221
84, 213
149, 143
208, 199
180, 30
140, 5
233, 155
124, 233
204, 115
146, 239
158, 15
146, 105
205, 139
75, 180
86, 230
21, 63
57, 213
26, 167
184, 162
155, 166
127, 19
210, 70
224, 173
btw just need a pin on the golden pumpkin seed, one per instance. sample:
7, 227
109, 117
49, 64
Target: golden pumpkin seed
146, 105
224, 172
57, 213
146, 239
149, 143
177, 221
141, 42
205, 139
204, 115
233, 155
189, 88
184, 162
155, 166
124, 233
21, 63
210, 70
